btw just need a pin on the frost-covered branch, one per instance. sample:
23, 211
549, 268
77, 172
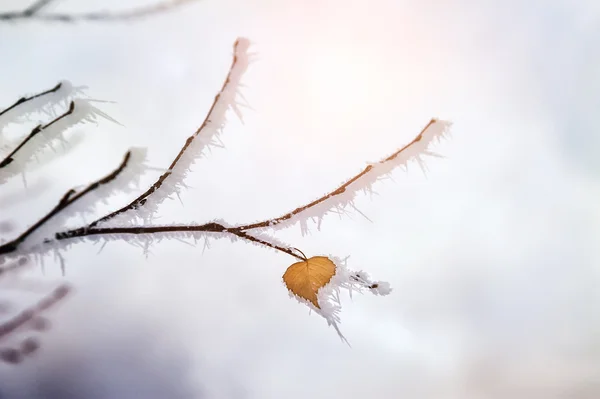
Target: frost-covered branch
262, 241
179, 231
45, 103
33, 12
168, 184
23, 100
343, 196
64, 209
315, 281
35, 131
17, 154
171, 182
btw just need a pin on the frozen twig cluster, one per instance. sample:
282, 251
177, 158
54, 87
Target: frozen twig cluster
60, 109
135, 222
36, 11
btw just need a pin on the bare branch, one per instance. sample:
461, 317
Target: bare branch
29, 314
211, 227
29, 319
32, 13
35, 7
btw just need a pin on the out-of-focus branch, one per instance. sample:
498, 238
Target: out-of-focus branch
27, 315
12, 267
32, 12
26, 319
29, 319
36, 130
20, 154
35, 7
25, 99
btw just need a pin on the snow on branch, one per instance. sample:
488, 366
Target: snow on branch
44, 137
341, 198
145, 236
48, 231
45, 103
33, 12
171, 183
73, 203
315, 281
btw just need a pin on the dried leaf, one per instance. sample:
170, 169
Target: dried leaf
307, 277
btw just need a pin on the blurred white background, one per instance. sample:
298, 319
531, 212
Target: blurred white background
494, 256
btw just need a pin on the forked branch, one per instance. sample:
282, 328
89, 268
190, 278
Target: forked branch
134, 218
214, 121
201, 138
69, 198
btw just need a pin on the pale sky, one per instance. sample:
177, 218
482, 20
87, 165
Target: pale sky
493, 257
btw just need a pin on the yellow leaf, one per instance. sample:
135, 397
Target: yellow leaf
305, 278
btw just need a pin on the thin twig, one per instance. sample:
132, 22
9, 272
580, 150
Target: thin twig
137, 230
35, 7
35, 131
32, 13
338, 191
246, 236
211, 227
29, 314
25, 99
141, 200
